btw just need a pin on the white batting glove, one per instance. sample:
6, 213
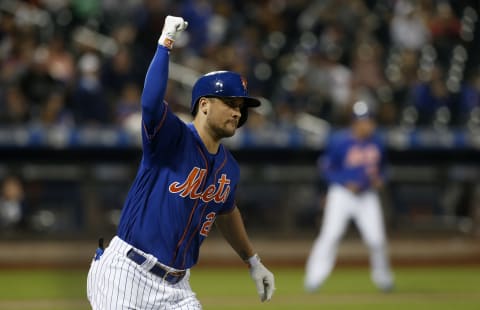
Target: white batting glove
262, 277
172, 26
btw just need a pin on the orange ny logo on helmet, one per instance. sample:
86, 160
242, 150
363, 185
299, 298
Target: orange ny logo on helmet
244, 83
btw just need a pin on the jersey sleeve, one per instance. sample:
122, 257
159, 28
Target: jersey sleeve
330, 163
160, 126
231, 203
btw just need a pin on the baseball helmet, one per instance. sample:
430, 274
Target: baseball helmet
223, 84
361, 110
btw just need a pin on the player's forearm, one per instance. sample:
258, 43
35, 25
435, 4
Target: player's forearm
155, 86
233, 230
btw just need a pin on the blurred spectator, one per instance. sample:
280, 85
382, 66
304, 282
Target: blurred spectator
15, 109
198, 13
367, 70
7, 34
16, 48
86, 10
117, 72
445, 30
55, 111
469, 100
431, 95
315, 55
408, 28
12, 207
301, 98
117, 17
36, 82
90, 106
128, 104
369, 82
402, 75
124, 34
60, 62
329, 78
149, 23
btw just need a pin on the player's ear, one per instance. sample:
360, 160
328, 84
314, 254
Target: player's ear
203, 105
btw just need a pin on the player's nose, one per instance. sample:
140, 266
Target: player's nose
236, 113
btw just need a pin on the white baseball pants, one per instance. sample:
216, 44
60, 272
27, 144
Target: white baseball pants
365, 210
115, 282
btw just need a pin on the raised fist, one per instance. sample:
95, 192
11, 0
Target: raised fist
172, 26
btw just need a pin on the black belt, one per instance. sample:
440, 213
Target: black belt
172, 277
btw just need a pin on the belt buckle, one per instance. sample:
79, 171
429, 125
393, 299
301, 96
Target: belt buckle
167, 272
175, 276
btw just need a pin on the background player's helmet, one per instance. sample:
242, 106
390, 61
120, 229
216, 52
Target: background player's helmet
361, 110
223, 84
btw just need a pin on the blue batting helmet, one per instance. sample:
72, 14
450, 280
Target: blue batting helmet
222, 84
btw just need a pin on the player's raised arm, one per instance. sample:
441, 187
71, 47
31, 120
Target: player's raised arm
153, 106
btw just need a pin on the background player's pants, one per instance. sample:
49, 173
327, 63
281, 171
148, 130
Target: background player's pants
341, 206
115, 282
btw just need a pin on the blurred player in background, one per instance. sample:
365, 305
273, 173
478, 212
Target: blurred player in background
186, 182
353, 166
12, 202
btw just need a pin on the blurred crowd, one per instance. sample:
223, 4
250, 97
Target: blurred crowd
82, 62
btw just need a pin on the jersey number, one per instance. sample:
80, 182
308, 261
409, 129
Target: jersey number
208, 224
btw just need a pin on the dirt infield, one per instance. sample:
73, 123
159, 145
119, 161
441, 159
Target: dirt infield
215, 251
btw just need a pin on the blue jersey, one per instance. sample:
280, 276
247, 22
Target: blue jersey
180, 187
348, 159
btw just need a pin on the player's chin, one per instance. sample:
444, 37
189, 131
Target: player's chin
230, 128
227, 133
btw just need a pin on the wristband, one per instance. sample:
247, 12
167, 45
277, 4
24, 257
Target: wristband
253, 261
166, 41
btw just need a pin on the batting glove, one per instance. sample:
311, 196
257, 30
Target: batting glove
172, 26
262, 277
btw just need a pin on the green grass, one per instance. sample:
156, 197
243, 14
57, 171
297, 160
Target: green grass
418, 288
347, 288
42, 289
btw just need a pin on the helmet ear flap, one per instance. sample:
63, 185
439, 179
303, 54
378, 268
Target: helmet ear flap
244, 116
195, 107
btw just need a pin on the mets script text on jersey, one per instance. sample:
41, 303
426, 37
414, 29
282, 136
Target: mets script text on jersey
196, 177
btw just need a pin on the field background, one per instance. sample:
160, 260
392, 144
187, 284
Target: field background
441, 273
231, 288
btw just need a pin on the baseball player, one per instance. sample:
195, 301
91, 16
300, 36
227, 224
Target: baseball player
185, 183
353, 166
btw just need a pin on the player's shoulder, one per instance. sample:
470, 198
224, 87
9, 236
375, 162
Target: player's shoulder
231, 163
340, 134
338, 137
230, 159
378, 138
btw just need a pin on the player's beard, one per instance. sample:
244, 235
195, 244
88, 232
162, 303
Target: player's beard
226, 130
